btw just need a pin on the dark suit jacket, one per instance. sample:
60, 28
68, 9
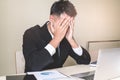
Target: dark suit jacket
38, 58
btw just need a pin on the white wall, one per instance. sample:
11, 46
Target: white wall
96, 20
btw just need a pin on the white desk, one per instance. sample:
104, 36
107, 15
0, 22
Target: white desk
70, 70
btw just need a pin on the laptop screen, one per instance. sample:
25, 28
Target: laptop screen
21, 77
108, 64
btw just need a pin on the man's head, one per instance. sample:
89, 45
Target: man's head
63, 6
62, 14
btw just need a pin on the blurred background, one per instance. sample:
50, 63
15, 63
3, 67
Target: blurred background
96, 20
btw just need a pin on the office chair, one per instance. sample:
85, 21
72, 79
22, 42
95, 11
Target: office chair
20, 62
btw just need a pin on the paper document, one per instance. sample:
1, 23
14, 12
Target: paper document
49, 75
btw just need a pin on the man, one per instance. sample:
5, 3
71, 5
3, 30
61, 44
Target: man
49, 46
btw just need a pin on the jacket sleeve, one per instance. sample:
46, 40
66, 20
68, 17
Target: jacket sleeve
35, 59
83, 59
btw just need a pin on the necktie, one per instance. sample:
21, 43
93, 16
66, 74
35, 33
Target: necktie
58, 50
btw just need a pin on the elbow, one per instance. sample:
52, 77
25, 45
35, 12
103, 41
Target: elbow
84, 61
87, 61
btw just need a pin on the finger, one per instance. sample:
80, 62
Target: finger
63, 16
52, 25
65, 30
52, 29
65, 23
72, 23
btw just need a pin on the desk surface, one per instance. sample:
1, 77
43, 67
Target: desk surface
70, 70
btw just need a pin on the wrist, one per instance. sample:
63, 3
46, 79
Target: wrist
73, 43
55, 42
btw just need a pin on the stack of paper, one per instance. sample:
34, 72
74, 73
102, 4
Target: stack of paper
50, 75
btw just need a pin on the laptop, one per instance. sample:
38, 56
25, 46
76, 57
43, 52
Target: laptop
108, 66
21, 77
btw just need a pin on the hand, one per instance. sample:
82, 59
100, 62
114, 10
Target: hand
59, 29
69, 34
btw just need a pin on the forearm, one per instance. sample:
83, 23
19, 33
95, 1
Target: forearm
73, 43
83, 59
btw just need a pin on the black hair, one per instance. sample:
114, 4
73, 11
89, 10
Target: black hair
62, 6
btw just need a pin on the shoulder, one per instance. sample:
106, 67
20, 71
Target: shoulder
32, 29
36, 32
32, 32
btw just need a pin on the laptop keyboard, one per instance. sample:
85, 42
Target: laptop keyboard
85, 75
90, 77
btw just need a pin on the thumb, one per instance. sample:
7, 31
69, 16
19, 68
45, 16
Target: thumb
51, 27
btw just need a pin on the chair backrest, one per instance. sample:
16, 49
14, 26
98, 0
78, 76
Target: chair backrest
20, 62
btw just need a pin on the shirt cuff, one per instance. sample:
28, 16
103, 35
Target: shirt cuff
78, 51
50, 49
